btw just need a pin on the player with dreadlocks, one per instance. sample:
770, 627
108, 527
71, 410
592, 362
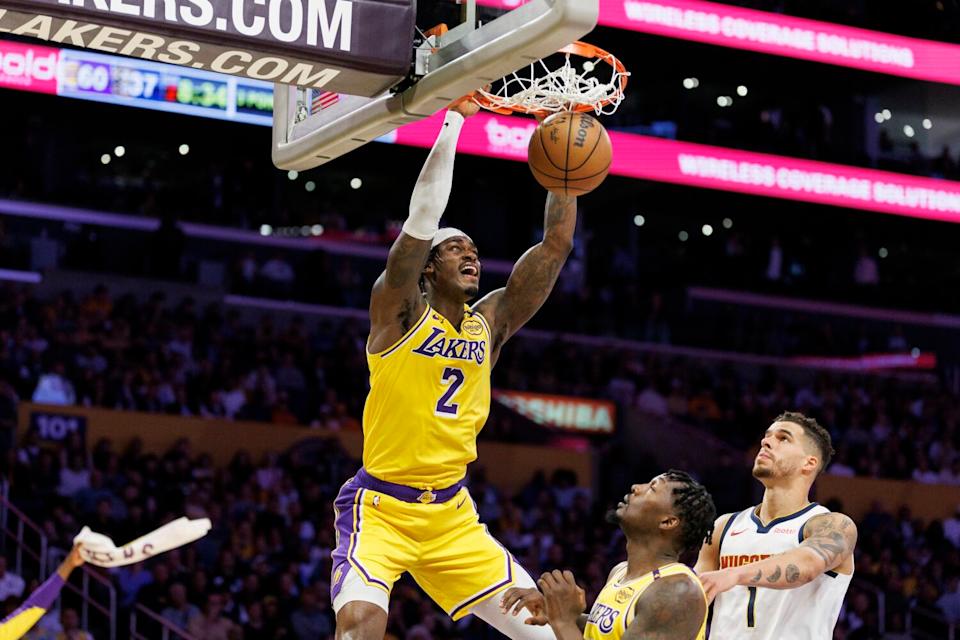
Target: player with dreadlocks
650, 596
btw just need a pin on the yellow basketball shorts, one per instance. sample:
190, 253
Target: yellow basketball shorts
384, 529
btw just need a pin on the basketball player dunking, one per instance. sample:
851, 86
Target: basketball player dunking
779, 571
651, 596
430, 357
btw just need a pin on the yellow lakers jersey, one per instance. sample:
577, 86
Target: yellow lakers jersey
616, 605
429, 397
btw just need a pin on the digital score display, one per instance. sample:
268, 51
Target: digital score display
150, 85
254, 100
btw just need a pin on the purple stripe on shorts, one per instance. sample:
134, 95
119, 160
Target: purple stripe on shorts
491, 590
348, 525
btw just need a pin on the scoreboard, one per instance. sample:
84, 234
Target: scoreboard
135, 83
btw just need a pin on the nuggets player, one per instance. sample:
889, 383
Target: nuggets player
651, 596
780, 571
430, 357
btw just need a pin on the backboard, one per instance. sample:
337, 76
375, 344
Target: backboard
313, 126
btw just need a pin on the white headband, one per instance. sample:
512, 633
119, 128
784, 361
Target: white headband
444, 234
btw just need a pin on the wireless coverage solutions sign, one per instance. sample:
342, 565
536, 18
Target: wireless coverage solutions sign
698, 165
776, 34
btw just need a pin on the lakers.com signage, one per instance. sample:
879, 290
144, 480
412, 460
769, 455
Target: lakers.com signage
582, 415
360, 47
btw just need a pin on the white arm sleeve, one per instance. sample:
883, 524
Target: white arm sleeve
432, 191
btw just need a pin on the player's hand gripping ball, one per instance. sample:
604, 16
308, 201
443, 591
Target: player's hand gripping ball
570, 153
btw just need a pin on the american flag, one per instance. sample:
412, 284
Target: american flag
323, 100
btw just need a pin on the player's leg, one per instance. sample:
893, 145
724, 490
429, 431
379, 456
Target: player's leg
506, 623
361, 621
465, 570
369, 557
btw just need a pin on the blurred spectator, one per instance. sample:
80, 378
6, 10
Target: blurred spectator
949, 602
11, 585
866, 272
70, 620
179, 612
278, 273
775, 261
75, 477
131, 579
312, 620
211, 624
54, 387
951, 528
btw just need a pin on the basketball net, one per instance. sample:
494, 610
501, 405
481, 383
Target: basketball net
543, 91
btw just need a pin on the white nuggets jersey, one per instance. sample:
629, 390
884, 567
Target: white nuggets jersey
806, 613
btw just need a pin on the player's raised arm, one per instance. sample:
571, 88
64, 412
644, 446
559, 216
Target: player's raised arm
828, 545
534, 275
396, 300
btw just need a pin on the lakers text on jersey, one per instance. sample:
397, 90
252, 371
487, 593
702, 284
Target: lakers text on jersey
429, 398
614, 608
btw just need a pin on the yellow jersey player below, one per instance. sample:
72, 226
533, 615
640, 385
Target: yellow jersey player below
430, 355
651, 596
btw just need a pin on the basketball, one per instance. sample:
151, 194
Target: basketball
570, 153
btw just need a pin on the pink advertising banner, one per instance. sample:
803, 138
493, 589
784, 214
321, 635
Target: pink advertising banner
781, 35
28, 67
698, 165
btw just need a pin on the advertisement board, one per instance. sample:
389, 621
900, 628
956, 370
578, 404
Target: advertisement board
581, 415
773, 33
362, 47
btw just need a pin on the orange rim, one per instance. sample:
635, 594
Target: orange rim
582, 49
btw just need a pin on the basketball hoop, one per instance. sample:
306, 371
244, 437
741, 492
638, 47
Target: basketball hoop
545, 91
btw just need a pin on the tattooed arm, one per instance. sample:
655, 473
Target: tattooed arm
671, 608
828, 544
396, 301
534, 275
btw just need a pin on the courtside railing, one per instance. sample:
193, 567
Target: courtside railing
30, 548
144, 621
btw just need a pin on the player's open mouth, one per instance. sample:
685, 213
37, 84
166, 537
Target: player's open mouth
470, 270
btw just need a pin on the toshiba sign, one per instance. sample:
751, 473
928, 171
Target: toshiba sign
28, 67
562, 412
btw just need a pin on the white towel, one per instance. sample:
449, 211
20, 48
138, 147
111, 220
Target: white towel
100, 550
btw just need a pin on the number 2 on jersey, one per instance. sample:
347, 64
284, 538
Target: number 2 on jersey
453, 377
